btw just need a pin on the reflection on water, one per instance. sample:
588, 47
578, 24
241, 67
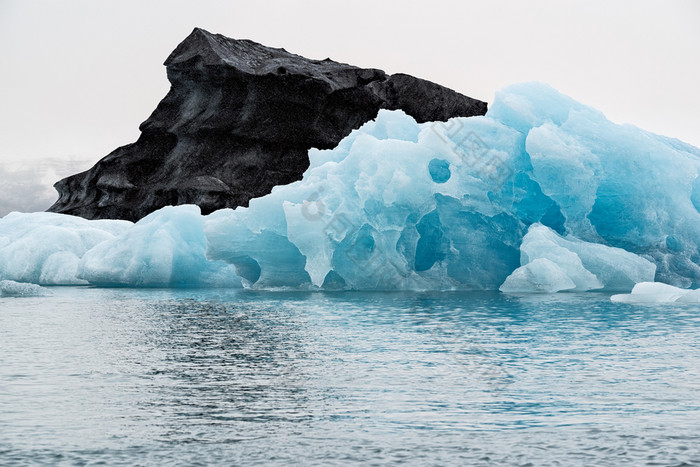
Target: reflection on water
201, 377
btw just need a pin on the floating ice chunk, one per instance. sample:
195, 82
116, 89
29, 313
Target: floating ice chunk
542, 242
615, 268
20, 289
693, 296
540, 275
164, 249
589, 266
657, 292
44, 248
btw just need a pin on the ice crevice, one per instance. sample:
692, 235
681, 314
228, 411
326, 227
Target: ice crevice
542, 194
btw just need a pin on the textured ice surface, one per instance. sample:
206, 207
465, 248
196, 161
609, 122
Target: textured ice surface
539, 275
164, 249
379, 212
45, 248
580, 266
656, 292
21, 289
401, 205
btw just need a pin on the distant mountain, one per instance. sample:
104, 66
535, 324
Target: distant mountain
25, 186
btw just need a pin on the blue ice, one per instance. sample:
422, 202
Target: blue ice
541, 194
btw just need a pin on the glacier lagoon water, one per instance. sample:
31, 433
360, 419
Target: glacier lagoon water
202, 377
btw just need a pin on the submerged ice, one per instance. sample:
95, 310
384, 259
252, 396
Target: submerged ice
541, 194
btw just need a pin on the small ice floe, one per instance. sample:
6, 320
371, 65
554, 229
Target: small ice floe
552, 263
657, 292
21, 289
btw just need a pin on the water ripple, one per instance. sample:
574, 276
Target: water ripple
153, 377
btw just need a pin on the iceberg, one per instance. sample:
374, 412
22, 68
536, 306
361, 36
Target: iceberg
656, 292
541, 194
447, 205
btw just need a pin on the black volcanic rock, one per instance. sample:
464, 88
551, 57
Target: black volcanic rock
239, 119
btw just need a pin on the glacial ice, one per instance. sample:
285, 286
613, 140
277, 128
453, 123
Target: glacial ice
45, 248
540, 275
164, 249
580, 266
541, 194
20, 289
657, 292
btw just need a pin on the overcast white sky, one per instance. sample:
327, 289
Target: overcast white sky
78, 77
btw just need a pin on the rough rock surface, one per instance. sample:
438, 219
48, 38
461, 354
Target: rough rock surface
239, 119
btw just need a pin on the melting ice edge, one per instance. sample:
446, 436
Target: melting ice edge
542, 194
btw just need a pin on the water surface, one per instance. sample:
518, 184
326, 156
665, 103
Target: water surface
200, 377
